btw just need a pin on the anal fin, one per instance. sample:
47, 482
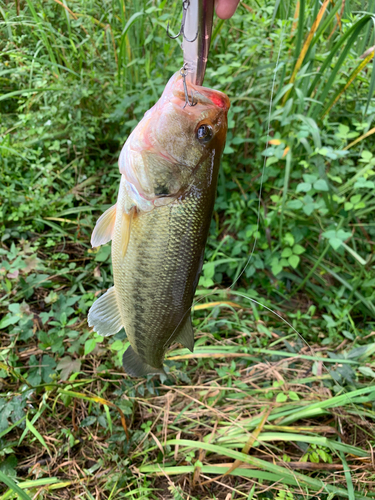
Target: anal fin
135, 366
104, 315
186, 335
103, 229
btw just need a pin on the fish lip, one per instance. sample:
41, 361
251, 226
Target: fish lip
213, 100
216, 97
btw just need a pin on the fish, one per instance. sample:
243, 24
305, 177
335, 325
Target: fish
159, 225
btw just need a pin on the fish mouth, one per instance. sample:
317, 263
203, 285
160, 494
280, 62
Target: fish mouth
200, 95
209, 98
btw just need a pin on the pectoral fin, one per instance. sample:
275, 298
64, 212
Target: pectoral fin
104, 228
135, 366
104, 315
186, 335
126, 225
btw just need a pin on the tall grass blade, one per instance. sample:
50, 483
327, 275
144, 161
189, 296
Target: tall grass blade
306, 46
37, 434
371, 89
11, 427
300, 14
351, 78
125, 49
282, 472
248, 445
350, 37
324, 25
267, 437
98, 399
368, 305
348, 477
359, 139
9, 29
43, 35
13, 486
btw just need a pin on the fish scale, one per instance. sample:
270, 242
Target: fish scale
158, 281
159, 226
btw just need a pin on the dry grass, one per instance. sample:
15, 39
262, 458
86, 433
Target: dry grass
186, 431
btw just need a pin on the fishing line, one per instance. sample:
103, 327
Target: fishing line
265, 160
258, 225
263, 169
195, 302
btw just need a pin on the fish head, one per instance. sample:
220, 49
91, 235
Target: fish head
175, 142
187, 133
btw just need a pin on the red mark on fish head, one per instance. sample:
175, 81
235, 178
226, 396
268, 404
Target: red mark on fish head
218, 98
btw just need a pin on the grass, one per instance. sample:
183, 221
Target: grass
277, 400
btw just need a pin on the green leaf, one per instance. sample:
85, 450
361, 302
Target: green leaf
287, 252
289, 239
294, 261
309, 204
303, 187
209, 270
355, 199
90, 345
117, 345
335, 243
366, 371
294, 204
86, 422
336, 237
309, 178
298, 249
48, 368
330, 321
34, 375
8, 466
293, 396
321, 185
363, 183
276, 268
67, 366
10, 319
103, 253
366, 155
281, 397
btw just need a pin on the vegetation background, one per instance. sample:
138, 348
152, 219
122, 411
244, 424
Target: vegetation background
275, 405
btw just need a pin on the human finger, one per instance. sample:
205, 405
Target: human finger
226, 8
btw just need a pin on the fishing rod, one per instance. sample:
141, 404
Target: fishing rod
196, 31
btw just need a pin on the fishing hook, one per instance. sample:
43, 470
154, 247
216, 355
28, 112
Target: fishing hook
183, 73
185, 6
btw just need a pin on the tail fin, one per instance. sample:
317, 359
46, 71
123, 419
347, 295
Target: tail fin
135, 366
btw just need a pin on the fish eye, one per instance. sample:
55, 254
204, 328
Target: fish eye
204, 133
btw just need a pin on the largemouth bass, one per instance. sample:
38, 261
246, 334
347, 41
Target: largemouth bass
159, 225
